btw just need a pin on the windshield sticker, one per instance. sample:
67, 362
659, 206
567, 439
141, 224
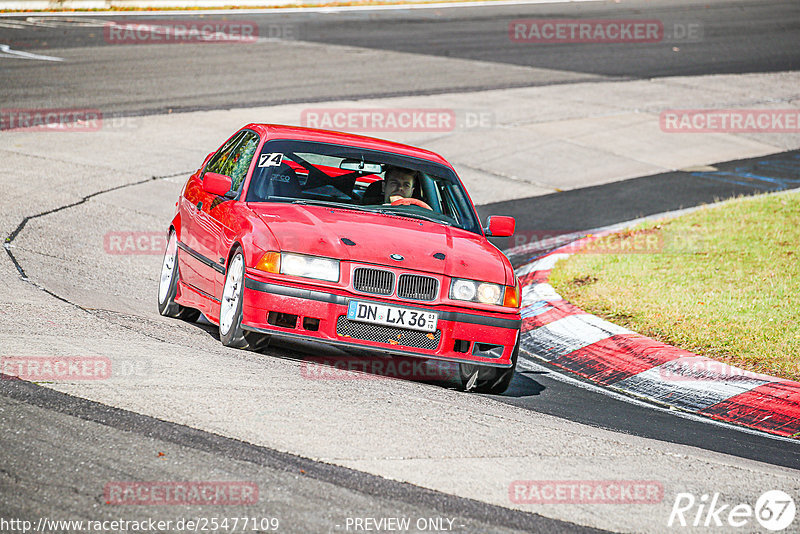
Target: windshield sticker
270, 160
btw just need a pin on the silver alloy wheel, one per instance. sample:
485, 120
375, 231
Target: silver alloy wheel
231, 294
472, 371
168, 267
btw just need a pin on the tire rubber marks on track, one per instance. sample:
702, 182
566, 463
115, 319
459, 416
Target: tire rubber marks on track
618, 357
693, 395
568, 334
776, 402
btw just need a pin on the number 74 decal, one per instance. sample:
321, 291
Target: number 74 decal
270, 160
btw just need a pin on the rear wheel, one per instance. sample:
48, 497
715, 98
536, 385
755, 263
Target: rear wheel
231, 332
168, 284
485, 379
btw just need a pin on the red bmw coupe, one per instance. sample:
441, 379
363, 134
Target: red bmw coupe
346, 240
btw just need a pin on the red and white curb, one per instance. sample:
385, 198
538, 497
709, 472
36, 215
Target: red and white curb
569, 338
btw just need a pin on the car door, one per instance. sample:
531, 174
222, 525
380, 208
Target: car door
196, 265
213, 220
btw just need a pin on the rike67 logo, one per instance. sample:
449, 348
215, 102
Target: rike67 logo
774, 510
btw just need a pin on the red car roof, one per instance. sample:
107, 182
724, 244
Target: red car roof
279, 131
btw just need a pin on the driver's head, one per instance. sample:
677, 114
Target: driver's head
398, 182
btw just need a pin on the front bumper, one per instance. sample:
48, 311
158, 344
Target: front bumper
292, 310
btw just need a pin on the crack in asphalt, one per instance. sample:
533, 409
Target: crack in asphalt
21, 226
95, 312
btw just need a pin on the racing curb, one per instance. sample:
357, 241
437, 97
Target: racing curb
567, 337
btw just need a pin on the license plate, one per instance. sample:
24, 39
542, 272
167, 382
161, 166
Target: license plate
368, 312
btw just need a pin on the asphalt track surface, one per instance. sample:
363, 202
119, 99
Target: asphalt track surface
304, 495
733, 37
738, 37
605, 205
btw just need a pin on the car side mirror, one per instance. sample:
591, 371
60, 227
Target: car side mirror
217, 184
500, 226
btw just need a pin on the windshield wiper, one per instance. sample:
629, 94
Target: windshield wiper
311, 202
414, 215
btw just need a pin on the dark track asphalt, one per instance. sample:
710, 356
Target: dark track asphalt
545, 394
731, 37
735, 36
80, 446
603, 205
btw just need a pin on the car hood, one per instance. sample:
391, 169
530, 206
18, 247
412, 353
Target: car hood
323, 231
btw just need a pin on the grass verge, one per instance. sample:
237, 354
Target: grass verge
723, 282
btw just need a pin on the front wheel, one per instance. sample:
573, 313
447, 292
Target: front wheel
168, 284
231, 332
485, 379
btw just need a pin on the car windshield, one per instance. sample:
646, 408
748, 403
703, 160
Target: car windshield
305, 172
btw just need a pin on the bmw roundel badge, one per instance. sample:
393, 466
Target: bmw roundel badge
396, 257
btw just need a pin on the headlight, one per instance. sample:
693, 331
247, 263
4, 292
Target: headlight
300, 265
461, 289
489, 293
310, 266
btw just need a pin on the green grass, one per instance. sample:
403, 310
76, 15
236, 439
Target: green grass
723, 282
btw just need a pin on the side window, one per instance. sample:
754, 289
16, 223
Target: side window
219, 160
239, 162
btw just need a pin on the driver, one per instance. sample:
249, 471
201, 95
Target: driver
398, 188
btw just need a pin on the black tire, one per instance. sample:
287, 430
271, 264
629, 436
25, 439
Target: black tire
493, 380
166, 294
231, 332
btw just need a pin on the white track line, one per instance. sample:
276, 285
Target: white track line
8, 52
